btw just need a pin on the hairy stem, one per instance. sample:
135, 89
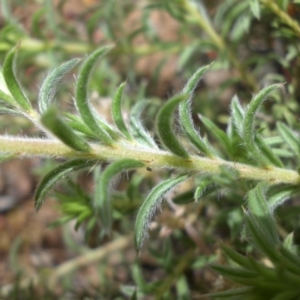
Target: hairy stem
26, 147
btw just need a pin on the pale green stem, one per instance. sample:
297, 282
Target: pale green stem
26, 147
282, 15
195, 17
37, 46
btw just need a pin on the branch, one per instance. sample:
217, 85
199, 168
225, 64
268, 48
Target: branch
27, 147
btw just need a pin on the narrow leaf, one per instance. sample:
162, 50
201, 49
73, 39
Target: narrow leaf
233, 272
10, 111
188, 127
5, 95
49, 86
117, 111
6, 98
149, 207
279, 195
260, 237
237, 258
267, 152
259, 208
137, 129
12, 81
291, 138
249, 126
185, 115
237, 114
289, 243
255, 8
77, 124
219, 134
102, 202
56, 175
204, 188
81, 96
193, 82
290, 258
52, 121
165, 126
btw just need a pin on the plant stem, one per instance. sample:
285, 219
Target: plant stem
33, 45
88, 258
282, 15
195, 17
27, 147
70, 266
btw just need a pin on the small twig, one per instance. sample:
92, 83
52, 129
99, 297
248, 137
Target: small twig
282, 15
196, 17
71, 265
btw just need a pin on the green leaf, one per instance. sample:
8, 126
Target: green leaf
49, 86
249, 126
9, 111
188, 127
185, 115
52, 121
102, 201
12, 81
81, 97
193, 82
290, 259
237, 258
6, 98
234, 272
117, 111
149, 207
237, 114
278, 195
259, 208
35, 23
289, 243
136, 127
260, 237
165, 127
255, 8
77, 124
85, 214
204, 188
219, 134
5, 95
55, 175
267, 152
291, 138
182, 288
